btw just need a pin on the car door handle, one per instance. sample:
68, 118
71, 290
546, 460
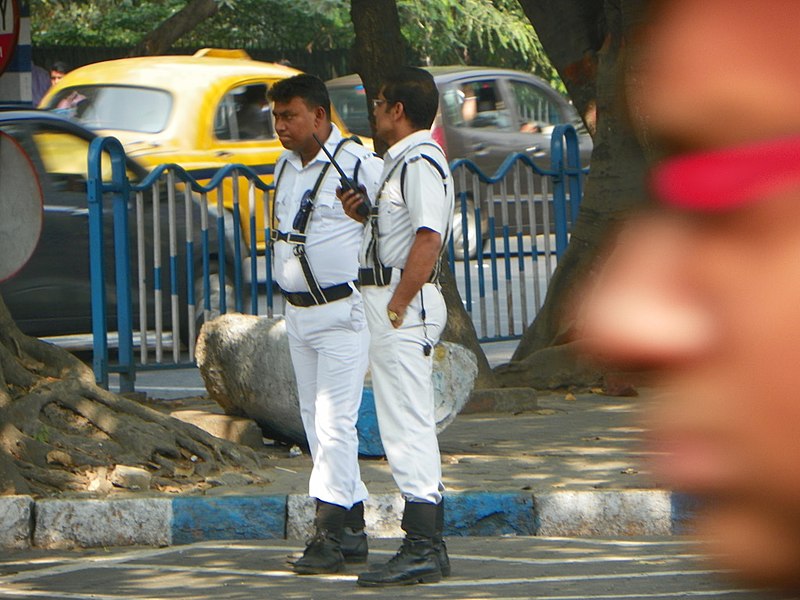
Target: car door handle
535, 150
480, 149
223, 153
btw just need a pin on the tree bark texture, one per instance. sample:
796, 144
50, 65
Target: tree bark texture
572, 33
614, 187
167, 33
379, 47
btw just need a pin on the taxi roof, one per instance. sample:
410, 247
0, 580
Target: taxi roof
174, 73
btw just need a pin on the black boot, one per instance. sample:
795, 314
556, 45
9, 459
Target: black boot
415, 561
439, 545
323, 553
355, 547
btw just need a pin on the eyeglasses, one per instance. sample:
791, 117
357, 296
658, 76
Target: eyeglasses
730, 177
376, 102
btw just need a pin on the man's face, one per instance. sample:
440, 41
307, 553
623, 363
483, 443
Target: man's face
711, 303
384, 124
708, 299
295, 122
56, 76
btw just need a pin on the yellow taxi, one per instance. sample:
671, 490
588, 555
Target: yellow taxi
201, 112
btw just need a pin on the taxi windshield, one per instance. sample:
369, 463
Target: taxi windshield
127, 108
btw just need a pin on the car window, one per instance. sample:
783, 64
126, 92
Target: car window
244, 114
125, 108
351, 104
62, 153
536, 110
476, 104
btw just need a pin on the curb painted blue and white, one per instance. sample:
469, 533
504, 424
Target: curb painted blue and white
170, 520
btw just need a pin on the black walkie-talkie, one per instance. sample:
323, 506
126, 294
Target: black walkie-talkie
346, 183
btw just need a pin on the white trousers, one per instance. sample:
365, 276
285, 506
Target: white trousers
329, 346
401, 378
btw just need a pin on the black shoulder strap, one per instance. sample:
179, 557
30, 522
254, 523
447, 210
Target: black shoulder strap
437, 269
317, 183
430, 159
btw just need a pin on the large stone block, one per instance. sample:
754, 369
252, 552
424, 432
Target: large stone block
87, 523
246, 366
16, 521
247, 369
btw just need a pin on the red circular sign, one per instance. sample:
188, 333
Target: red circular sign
9, 31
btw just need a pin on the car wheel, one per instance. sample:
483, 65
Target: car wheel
470, 226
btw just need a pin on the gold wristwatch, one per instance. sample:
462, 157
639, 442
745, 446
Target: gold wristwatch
393, 316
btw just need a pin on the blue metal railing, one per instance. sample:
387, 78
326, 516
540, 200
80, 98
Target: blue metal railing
518, 240
121, 188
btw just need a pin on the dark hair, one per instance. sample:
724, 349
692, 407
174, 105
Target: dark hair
60, 66
415, 88
309, 88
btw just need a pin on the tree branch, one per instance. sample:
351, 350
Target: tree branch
182, 22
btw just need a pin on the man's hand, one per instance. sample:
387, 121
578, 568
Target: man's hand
395, 316
420, 264
351, 200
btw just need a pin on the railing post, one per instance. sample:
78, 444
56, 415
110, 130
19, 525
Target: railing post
119, 188
562, 173
96, 271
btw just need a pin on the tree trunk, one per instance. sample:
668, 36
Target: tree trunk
165, 35
379, 48
572, 33
615, 184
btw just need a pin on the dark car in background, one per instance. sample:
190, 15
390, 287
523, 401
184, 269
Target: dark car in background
485, 114
51, 294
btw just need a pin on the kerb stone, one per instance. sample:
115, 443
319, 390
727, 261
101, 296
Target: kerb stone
199, 518
87, 523
15, 521
382, 514
604, 513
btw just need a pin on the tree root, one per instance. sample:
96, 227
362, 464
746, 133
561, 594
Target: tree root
58, 429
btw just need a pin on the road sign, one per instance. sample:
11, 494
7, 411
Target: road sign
9, 31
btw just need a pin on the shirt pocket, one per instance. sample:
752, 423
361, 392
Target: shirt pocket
392, 212
282, 210
327, 207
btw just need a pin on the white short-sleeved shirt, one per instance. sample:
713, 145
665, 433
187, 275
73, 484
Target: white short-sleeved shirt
332, 238
425, 201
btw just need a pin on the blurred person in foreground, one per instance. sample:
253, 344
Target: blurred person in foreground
705, 291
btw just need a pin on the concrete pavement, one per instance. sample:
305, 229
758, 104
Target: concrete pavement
508, 567
568, 466
551, 500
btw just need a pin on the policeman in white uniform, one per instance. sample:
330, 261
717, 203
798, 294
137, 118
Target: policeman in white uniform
403, 240
315, 247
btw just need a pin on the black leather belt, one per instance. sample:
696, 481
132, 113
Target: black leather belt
367, 276
291, 238
305, 299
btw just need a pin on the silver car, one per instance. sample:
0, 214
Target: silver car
485, 114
